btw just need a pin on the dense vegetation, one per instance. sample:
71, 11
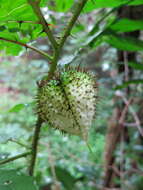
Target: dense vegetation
40, 37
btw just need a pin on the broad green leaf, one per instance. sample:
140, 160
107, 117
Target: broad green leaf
17, 108
11, 180
17, 10
131, 82
127, 25
123, 43
12, 30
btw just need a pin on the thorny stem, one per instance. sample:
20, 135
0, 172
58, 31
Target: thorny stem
35, 146
57, 50
14, 158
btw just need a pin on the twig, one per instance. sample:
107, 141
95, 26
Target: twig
51, 159
27, 46
19, 143
71, 23
113, 134
101, 19
14, 158
36, 8
35, 146
123, 114
138, 125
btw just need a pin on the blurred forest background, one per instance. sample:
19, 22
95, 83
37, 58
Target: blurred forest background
107, 40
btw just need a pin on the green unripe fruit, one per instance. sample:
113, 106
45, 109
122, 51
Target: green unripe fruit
68, 102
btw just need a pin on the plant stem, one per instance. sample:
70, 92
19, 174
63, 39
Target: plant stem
27, 46
57, 51
35, 146
81, 4
19, 143
36, 8
14, 158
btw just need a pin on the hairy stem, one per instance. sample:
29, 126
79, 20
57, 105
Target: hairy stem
14, 158
35, 146
27, 46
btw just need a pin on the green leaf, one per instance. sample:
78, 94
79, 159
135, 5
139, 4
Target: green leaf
11, 12
127, 25
65, 177
136, 2
125, 84
17, 108
11, 180
123, 43
94, 4
17, 10
136, 66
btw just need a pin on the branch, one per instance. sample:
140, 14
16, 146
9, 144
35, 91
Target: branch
35, 146
27, 46
36, 8
19, 143
81, 4
14, 158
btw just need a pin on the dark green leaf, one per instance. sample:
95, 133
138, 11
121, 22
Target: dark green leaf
136, 65
65, 177
11, 180
94, 4
2, 28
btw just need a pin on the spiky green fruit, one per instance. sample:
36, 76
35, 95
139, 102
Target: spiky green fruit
68, 102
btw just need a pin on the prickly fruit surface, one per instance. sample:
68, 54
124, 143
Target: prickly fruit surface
68, 102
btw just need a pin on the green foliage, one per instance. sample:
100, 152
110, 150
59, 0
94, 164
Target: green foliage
94, 4
11, 180
65, 178
127, 25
